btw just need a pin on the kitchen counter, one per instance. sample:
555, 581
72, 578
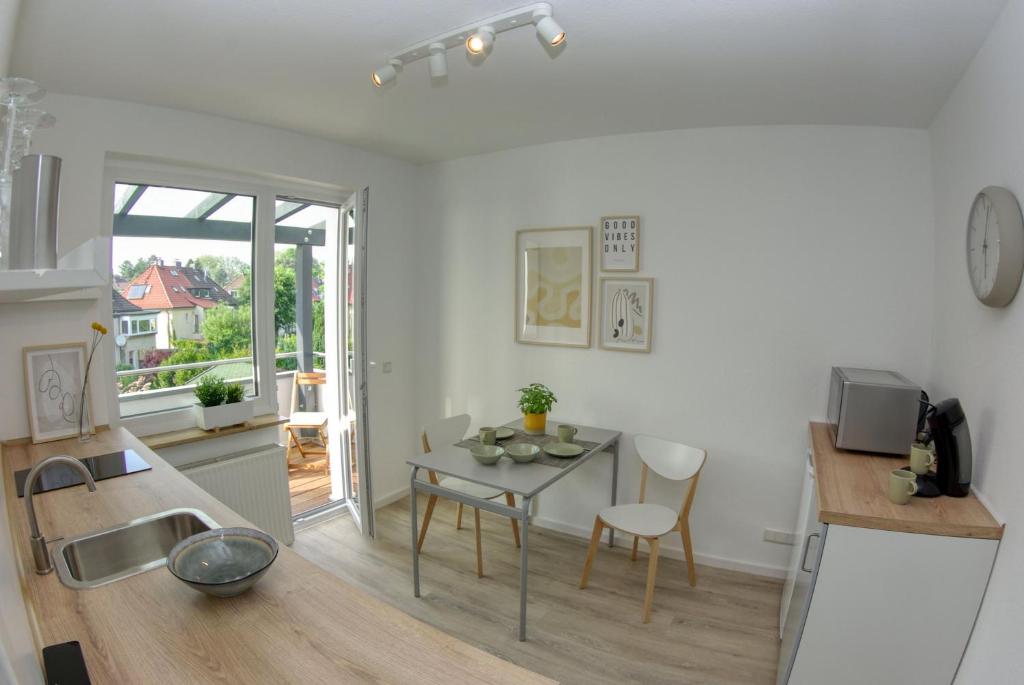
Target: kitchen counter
299, 624
853, 491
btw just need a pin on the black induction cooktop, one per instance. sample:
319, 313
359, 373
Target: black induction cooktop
102, 467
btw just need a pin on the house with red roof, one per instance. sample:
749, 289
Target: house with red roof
180, 296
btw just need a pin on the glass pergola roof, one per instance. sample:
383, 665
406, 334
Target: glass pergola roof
179, 203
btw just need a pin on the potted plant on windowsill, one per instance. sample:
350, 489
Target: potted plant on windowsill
535, 401
220, 404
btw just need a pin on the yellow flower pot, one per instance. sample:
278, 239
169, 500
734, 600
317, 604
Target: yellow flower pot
535, 424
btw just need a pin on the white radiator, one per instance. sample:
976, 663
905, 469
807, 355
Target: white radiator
254, 483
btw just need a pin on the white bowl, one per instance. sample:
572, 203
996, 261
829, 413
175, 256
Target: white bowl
487, 454
522, 452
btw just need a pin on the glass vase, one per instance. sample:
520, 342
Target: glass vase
84, 425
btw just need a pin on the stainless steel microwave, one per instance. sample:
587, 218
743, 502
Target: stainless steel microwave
872, 411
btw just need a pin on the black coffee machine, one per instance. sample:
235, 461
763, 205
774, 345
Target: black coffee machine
952, 438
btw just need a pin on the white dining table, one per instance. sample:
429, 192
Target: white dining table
525, 480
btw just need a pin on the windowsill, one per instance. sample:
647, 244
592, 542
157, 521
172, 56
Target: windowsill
159, 441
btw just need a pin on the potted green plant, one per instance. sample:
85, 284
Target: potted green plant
535, 402
220, 404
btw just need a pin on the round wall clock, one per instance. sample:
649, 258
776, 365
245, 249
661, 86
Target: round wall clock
995, 246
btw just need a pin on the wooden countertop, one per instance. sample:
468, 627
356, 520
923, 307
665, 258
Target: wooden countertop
853, 491
299, 624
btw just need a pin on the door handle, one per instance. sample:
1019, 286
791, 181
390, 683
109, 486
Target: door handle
807, 546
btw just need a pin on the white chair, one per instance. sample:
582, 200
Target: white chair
448, 432
669, 460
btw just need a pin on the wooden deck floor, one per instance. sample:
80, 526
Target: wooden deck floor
723, 632
309, 487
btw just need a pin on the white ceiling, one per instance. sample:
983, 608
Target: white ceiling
627, 66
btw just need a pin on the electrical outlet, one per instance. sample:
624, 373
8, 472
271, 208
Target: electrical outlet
779, 536
387, 367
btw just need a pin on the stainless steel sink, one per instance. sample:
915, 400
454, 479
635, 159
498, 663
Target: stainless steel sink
127, 549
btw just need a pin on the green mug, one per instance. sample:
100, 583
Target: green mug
566, 433
921, 458
488, 435
902, 486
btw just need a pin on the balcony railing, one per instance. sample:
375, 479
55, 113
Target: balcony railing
157, 399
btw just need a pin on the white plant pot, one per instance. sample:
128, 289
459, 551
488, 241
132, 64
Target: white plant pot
223, 415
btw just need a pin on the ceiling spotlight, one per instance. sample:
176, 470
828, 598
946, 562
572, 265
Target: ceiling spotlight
480, 42
438, 60
547, 27
387, 73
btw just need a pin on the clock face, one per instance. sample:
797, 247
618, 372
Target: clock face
995, 246
983, 246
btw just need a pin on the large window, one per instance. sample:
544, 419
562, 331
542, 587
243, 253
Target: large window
180, 259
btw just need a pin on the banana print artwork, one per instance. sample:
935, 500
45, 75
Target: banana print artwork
626, 316
626, 313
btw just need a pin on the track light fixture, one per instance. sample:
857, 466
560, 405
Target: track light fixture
477, 38
547, 28
438, 60
387, 73
481, 42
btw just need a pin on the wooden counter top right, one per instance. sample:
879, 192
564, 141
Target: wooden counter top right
853, 491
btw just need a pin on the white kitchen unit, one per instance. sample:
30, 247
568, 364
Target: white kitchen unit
879, 593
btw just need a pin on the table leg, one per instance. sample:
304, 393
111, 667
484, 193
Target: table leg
524, 535
415, 534
615, 488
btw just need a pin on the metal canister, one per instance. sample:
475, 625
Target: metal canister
35, 197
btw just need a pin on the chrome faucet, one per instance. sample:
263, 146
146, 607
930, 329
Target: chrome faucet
36, 541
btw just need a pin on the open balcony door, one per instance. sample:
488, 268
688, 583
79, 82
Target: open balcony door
347, 363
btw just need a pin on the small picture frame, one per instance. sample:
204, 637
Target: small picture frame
620, 243
53, 387
627, 306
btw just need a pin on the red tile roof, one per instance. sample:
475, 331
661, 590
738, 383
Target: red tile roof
173, 287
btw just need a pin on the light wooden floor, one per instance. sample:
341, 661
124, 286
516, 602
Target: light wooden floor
723, 632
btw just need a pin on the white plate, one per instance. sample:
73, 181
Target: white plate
564, 449
504, 433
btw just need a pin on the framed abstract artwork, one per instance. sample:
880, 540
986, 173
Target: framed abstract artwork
620, 243
53, 385
626, 309
553, 286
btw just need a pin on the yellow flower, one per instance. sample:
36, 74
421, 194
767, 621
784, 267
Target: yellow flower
99, 328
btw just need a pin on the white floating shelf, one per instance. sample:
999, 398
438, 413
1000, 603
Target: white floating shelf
77, 277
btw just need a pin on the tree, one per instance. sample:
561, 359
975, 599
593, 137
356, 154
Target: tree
286, 258
319, 340
129, 270
284, 298
186, 352
227, 331
221, 269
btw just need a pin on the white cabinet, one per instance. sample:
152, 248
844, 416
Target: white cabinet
808, 512
877, 606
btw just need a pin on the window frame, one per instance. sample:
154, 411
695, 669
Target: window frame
133, 171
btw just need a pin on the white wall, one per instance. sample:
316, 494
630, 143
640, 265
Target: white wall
777, 253
8, 19
978, 140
